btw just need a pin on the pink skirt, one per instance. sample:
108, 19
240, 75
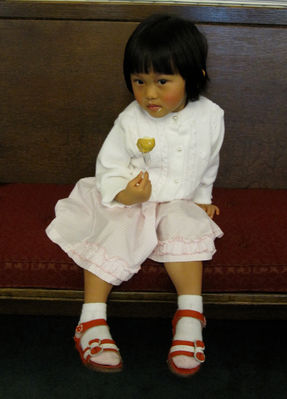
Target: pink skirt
113, 242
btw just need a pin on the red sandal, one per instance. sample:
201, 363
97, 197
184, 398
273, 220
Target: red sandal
187, 348
95, 346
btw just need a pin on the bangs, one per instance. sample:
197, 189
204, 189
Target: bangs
156, 59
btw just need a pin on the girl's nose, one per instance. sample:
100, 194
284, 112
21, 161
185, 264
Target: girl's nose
150, 92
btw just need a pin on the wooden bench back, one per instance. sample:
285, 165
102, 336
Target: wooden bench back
62, 87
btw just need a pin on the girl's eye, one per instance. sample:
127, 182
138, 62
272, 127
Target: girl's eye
138, 82
162, 81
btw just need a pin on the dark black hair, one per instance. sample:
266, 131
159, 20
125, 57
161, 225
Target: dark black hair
169, 45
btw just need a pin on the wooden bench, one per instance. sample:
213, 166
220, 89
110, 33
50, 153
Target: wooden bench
61, 87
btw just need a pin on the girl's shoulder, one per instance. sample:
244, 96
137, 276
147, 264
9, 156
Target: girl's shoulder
205, 106
131, 112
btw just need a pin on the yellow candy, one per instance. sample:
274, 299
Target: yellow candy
146, 144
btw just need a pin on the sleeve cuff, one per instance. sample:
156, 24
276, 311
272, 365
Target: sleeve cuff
203, 195
111, 190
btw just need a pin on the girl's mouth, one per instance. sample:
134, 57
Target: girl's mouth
154, 107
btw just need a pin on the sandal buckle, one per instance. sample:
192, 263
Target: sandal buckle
79, 330
199, 351
96, 347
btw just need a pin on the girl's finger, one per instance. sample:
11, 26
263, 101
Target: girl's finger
145, 179
138, 179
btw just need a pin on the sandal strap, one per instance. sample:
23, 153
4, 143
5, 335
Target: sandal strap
188, 313
188, 348
97, 346
83, 327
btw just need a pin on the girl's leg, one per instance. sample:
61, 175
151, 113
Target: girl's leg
96, 289
187, 279
95, 308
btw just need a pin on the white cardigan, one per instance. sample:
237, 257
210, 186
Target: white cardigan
183, 163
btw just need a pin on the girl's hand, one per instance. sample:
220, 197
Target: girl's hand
210, 209
137, 191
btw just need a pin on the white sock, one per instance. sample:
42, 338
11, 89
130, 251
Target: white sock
93, 311
188, 328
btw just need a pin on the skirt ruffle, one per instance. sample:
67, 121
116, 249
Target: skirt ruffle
189, 250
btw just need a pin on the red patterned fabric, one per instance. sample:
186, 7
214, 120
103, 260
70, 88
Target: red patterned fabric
252, 255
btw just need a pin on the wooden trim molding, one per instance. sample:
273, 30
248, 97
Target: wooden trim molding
143, 304
134, 11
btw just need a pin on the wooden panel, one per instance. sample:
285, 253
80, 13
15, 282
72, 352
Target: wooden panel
61, 87
137, 12
248, 79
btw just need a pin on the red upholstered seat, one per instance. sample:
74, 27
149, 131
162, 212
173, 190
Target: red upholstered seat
252, 255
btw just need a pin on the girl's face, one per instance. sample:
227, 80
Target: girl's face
159, 94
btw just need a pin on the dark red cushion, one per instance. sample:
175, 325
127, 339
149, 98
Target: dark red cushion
252, 255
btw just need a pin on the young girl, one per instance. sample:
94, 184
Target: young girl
149, 205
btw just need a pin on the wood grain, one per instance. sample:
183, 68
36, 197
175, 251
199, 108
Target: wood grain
130, 12
230, 306
61, 87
